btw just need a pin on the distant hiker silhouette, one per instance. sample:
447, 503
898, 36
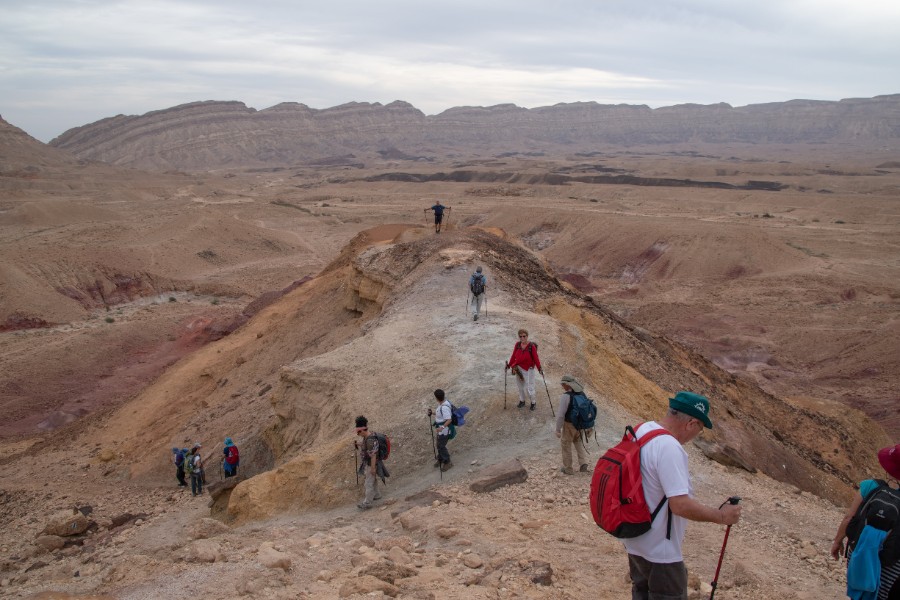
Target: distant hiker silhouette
477, 287
523, 362
438, 209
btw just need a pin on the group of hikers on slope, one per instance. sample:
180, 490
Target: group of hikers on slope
655, 561
189, 463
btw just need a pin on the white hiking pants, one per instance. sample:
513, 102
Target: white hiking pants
526, 384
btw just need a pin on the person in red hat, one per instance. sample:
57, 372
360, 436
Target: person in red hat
871, 529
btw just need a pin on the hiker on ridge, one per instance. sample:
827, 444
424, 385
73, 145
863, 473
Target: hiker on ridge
867, 533
523, 362
438, 209
443, 418
655, 561
232, 458
566, 432
178, 461
477, 285
195, 466
369, 463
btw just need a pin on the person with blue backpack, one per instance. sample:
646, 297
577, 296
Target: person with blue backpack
871, 529
574, 420
443, 420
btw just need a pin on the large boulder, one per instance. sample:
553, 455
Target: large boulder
499, 475
65, 524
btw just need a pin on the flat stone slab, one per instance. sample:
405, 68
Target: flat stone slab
496, 476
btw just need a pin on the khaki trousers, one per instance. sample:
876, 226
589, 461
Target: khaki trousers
568, 438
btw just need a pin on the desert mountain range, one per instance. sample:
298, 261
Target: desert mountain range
209, 271
220, 135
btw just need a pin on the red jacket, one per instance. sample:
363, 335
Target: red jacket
525, 358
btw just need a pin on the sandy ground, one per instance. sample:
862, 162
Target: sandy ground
793, 290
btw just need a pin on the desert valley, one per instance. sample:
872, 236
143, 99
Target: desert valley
211, 271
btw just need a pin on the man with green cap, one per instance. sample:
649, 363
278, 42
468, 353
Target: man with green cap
655, 561
568, 435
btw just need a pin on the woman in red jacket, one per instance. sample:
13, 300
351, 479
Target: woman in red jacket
523, 361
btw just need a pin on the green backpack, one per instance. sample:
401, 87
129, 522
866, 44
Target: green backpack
188, 464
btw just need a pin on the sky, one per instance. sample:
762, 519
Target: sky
67, 63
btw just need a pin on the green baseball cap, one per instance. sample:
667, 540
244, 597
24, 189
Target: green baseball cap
692, 404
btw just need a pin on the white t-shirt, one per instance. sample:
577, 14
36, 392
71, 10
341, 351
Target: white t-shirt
664, 471
442, 415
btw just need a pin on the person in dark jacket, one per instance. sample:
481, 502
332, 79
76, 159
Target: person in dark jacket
438, 209
178, 460
523, 362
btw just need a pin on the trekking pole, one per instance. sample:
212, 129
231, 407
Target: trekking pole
485, 304
431, 429
467, 304
356, 464
448, 216
505, 378
715, 581
548, 394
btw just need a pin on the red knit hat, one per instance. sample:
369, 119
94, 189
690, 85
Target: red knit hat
890, 459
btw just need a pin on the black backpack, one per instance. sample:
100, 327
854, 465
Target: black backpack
384, 445
477, 286
881, 510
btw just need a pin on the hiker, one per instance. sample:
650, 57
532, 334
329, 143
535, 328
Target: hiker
369, 463
868, 576
232, 458
438, 209
477, 285
523, 361
566, 432
178, 460
194, 465
443, 417
655, 561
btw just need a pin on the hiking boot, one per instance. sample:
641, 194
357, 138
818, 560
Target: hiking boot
567, 471
532, 406
363, 505
446, 466
475, 318
583, 469
437, 464
521, 404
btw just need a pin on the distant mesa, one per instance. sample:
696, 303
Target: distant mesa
220, 135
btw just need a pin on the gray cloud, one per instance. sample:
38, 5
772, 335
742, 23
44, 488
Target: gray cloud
64, 63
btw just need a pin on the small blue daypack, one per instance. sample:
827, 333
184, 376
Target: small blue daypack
582, 412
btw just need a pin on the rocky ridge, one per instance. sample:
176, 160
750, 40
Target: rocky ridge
230, 135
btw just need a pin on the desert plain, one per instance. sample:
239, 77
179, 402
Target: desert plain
144, 310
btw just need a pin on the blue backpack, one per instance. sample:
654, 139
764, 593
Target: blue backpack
582, 412
457, 418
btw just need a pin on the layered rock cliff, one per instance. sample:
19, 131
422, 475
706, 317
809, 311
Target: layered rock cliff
213, 135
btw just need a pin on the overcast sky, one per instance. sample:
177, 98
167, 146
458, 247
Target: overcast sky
65, 63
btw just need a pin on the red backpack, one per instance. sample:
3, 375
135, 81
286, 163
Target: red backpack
617, 490
232, 457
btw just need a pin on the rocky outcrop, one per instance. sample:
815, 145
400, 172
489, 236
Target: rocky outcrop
206, 135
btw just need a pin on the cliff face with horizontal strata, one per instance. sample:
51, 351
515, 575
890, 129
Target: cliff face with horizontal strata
210, 135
